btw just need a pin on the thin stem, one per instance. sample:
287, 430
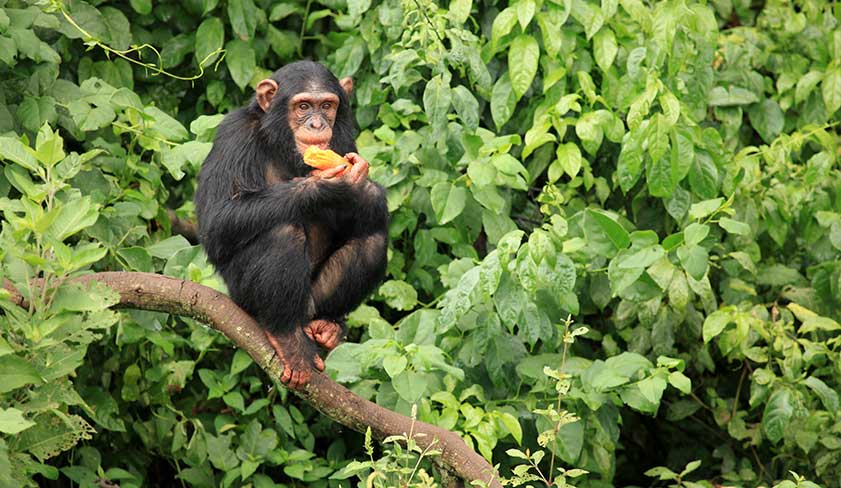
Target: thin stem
157, 69
738, 392
429, 21
558, 407
303, 29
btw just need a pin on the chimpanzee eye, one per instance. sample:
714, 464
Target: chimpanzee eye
325, 106
303, 106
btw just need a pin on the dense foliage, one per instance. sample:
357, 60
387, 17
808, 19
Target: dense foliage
665, 173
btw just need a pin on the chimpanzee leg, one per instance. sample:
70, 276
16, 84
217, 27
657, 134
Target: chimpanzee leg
271, 281
345, 279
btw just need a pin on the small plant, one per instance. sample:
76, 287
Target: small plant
530, 470
665, 474
400, 464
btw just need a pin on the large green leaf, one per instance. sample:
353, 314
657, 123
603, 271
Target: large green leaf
210, 37
243, 17
523, 58
241, 63
16, 372
448, 201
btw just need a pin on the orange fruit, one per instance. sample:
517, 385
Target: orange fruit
323, 158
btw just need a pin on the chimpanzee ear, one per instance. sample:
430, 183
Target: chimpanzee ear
266, 90
347, 85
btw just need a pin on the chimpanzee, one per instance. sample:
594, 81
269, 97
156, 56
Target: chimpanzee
298, 248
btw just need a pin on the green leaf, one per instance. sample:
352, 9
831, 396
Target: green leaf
143, 7
828, 396
502, 25
33, 112
605, 48
448, 201
74, 216
410, 385
714, 324
569, 159
240, 361
210, 37
459, 11
525, 12
166, 126
681, 382
15, 151
466, 105
695, 260
723, 97
167, 248
806, 84
659, 177
176, 49
358, 7
513, 425
630, 164
767, 118
16, 372
205, 125
49, 146
240, 61
695, 233
395, 364
234, 400
642, 258
618, 236
588, 15
399, 295
436, 103
734, 226
523, 58
503, 101
831, 90
652, 388
702, 209
242, 15
282, 10
119, 30
12, 421
778, 413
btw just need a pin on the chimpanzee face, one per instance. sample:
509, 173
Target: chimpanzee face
303, 102
311, 118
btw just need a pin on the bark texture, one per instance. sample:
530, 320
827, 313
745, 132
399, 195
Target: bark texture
148, 291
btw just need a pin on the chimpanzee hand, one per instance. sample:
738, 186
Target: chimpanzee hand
325, 174
325, 333
359, 171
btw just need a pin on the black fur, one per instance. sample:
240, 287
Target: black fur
256, 233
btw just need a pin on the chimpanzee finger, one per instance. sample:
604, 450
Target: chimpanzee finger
332, 172
302, 379
359, 171
355, 158
286, 376
318, 362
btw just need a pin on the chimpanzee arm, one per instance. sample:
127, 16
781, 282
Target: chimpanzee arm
351, 273
232, 222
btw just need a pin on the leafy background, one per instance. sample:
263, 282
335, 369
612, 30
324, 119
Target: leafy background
665, 173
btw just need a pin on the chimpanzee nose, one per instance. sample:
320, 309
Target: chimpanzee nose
316, 124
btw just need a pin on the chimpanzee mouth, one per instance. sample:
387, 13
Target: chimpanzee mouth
320, 145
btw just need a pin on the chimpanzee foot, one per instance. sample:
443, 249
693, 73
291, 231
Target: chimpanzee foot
293, 351
325, 333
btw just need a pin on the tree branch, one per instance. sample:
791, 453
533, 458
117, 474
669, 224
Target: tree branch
148, 291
